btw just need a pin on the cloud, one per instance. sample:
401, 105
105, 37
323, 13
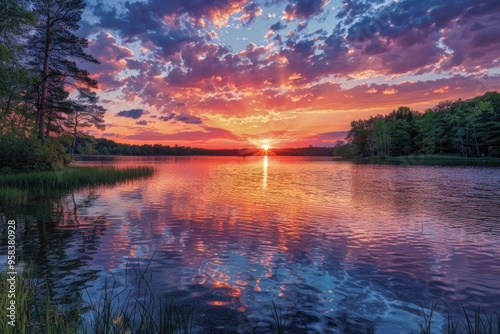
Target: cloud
327, 137
389, 91
132, 113
250, 12
206, 134
113, 60
277, 26
188, 119
143, 122
304, 9
175, 57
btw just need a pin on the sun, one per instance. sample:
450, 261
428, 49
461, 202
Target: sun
265, 147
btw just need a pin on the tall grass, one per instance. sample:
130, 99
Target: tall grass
119, 311
279, 319
36, 312
137, 313
479, 322
33, 312
19, 189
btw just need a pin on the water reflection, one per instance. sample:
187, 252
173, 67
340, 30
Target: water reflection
264, 175
337, 244
59, 243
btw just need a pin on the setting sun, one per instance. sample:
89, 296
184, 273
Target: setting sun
265, 147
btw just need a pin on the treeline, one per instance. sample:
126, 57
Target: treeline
469, 128
103, 146
46, 100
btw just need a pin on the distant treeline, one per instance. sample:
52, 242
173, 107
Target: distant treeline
469, 128
103, 146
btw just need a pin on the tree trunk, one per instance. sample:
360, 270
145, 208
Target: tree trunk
7, 108
477, 147
45, 83
74, 144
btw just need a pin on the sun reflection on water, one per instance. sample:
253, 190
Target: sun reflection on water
265, 164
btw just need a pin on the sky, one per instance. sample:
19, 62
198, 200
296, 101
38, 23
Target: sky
283, 73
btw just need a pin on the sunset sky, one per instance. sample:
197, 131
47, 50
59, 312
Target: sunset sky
286, 73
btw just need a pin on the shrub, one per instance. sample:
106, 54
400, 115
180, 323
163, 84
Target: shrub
26, 154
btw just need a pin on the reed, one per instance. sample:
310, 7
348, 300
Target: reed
33, 312
475, 322
279, 319
36, 312
20, 189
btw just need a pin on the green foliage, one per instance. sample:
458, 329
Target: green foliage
54, 53
36, 99
19, 189
467, 128
345, 150
14, 17
116, 311
34, 312
26, 154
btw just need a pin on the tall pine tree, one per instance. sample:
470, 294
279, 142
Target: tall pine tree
55, 50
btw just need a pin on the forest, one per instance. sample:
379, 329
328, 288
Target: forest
46, 100
467, 128
102, 146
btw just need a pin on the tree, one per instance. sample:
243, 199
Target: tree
86, 113
358, 136
14, 19
382, 140
15, 80
54, 54
428, 132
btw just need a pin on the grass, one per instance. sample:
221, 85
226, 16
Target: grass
20, 189
142, 313
33, 312
279, 319
119, 311
425, 327
479, 323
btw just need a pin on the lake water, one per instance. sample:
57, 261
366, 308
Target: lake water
339, 247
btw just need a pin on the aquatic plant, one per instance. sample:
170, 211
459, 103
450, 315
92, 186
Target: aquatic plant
37, 312
279, 319
33, 313
479, 323
19, 189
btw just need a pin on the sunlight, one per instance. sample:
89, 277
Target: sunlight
264, 176
265, 147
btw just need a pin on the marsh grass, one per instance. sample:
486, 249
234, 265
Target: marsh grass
115, 311
279, 319
20, 189
119, 311
475, 322
34, 313
425, 327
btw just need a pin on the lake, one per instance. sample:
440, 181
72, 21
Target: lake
337, 246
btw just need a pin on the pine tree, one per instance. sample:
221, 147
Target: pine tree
55, 50
15, 79
86, 113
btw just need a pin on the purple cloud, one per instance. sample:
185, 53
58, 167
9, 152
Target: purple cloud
132, 113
